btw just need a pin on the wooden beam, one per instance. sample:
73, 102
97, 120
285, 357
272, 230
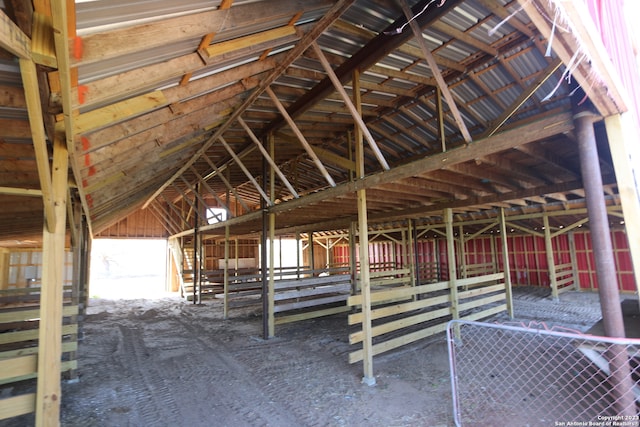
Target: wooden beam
244, 169
249, 41
42, 45
269, 159
367, 56
13, 39
523, 97
39, 138
123, 41
338, 8
301, 138
225, 182
118, 112
417, 32
48, 395
13, 191
357, 117
63, 12
515, 137
334, 159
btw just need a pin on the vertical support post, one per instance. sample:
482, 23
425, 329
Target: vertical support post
353, 257
264, 261
551, 265
196, 251
440, 113
451, 262
505, 263
363, 231
574, 260
272, 237
605, 264
297, 255
312, 254
327, 250
462, 255
50, 329
619, 128
225, 280
410, 253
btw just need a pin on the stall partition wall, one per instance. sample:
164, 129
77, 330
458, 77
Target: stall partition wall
527, 258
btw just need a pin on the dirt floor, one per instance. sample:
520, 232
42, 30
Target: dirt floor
167, 362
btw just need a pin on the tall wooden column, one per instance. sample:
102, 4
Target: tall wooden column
272, 237
363, 231
505, 262
551, 264
50, 332
451, 263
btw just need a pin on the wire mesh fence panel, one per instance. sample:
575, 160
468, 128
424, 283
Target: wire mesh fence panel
504, 375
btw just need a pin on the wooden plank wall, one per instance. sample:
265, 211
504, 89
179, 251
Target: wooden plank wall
141, 224
403, 313
19, 351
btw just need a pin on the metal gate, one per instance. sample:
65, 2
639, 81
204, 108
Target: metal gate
505, 375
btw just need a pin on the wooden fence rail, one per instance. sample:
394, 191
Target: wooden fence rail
19, 350
404, 314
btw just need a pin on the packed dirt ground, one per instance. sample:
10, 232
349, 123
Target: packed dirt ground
168, 362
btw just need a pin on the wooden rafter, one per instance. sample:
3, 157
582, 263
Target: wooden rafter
268, 158
433, 65
357, 117
300, 136
329, 18
523, 97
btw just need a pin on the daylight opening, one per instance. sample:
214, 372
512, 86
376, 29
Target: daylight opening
128, 268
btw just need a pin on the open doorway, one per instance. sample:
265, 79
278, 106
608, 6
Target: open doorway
128, 268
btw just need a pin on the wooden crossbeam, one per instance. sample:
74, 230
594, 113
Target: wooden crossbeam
417, 32
245, 170
338, 8
13, 191
357, 117
248, 41
13, 39
300, 136
269, 159
523, 97
226, 182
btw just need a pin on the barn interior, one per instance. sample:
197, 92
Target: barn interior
424, 157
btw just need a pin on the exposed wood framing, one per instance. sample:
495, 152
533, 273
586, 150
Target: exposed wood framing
301, 137
48, 393
329, 18
357, 116
244, 169
433, 65
268, 158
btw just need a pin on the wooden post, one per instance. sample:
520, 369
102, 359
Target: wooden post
50, 330
462, 255
363, 231
451, 263
505, 263
4, 268
225, 282
353, 262
574, 260
297, 255
312, 254
272, 238
551, 266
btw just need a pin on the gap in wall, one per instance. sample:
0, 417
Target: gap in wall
128, 268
